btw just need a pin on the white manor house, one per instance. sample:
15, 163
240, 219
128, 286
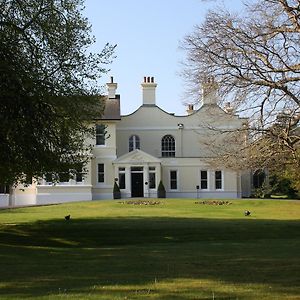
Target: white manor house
143, 148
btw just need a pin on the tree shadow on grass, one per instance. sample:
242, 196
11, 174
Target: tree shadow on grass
103, 257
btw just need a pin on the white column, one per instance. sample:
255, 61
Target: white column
146, 180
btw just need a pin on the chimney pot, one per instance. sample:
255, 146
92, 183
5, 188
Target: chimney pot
190, 109
148, 87
112, 87
209, 90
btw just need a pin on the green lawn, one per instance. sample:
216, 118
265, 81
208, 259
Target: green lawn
174, 250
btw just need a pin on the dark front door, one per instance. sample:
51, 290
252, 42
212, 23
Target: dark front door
137, 186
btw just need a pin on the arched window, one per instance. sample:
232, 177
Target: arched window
168, 146
134, 143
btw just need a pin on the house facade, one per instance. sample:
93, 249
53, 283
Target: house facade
145, 147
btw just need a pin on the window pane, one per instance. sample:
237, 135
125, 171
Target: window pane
218, 179
48, 177
173, 180
173, 175
64, 177
134, 143
203, 185
137, 169
130, 144
100, 172
137, 142
100, 177
79, 177
152, 184
4, 189
203, 175
122, 180
168, 146
100, 134
203, 180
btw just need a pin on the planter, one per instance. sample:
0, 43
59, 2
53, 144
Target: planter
161, 191
116, 191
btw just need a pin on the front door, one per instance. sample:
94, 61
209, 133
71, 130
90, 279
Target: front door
137, 185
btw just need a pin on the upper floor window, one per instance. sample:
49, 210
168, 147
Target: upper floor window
100, 134
168, 146
134, 142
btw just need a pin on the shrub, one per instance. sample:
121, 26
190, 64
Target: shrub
161, 191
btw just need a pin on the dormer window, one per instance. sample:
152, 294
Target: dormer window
168, 146
134, 143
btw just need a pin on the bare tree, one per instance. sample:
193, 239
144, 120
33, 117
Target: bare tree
255, 58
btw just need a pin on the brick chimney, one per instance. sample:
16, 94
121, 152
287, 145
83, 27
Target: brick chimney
112, 87
148, 87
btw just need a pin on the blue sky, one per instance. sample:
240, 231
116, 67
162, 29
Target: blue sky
148, 34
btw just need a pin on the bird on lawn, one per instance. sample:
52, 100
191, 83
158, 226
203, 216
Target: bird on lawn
247, 213
68, 217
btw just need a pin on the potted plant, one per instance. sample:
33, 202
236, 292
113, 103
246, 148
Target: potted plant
161, 191
116, 191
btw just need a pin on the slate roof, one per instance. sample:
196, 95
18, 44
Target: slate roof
112, 109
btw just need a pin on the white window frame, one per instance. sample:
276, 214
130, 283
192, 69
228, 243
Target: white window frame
101, 182
166, 144
155, 174
135, 141
100, 135
207, 180
177, 181
222, 180
123, 172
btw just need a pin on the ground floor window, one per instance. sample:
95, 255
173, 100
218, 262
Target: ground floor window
203, 180
64, 177
52, 177
122, 184
152, 177
101, 173
4, 189
79, 176
259, 177
173, 180
218, 180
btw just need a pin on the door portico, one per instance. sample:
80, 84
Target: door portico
138, 174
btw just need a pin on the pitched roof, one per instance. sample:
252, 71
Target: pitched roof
137, 156
112, 109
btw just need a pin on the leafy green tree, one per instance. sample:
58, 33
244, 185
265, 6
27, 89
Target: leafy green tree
48, 86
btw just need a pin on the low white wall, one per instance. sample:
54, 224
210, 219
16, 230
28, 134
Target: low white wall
53, 198
62, 193
4, 200
23, 199
102, 196
204, 195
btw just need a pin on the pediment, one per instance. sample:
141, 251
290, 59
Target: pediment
137, 156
